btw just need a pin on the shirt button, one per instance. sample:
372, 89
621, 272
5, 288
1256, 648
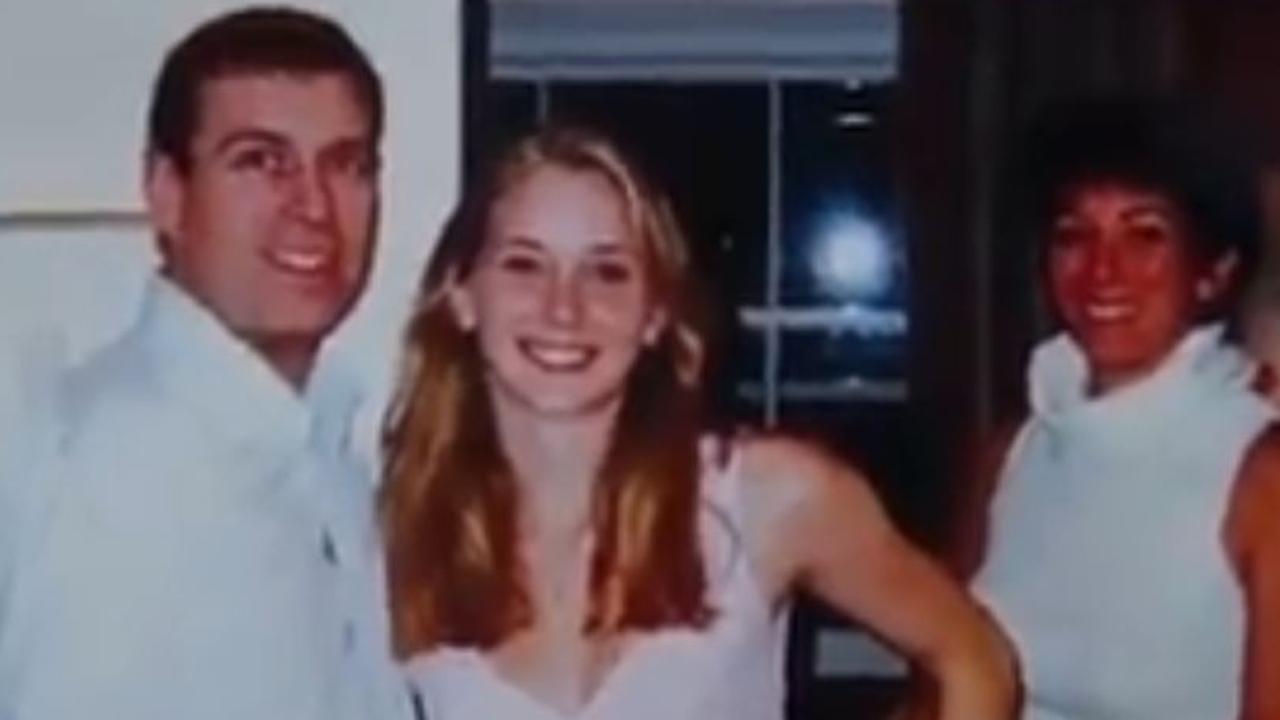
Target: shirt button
327, 548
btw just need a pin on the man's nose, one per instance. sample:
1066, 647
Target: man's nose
309, 195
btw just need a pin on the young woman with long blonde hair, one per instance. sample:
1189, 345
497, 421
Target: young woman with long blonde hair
564, 540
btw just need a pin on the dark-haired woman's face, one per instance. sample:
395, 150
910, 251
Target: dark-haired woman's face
1125, 278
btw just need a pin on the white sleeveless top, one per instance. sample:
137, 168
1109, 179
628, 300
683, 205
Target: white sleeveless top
1105, 559
731, 670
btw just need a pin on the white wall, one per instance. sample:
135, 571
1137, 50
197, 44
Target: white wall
75, 79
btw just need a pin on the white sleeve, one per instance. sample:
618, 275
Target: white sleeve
78, 604
30, 369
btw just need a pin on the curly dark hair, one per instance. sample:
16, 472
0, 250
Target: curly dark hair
1183, 151
252, 41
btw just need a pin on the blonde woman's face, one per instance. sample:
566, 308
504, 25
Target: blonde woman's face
559, 297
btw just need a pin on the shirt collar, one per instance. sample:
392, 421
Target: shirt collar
1058, 376
199, 360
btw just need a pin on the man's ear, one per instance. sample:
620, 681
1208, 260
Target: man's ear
1217, 278
461, 304
164, 186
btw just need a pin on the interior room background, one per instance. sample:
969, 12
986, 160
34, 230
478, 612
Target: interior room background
843, 168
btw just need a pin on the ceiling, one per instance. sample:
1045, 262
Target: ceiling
712, 3
706, 39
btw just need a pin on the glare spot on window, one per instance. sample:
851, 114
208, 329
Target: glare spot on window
851, 258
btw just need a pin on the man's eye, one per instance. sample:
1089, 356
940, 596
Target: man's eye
356, 164
264, 159
363, 166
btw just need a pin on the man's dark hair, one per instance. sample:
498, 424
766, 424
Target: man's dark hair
1178, 149
248, 42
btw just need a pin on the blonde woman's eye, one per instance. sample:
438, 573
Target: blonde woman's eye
613, 272
519, 264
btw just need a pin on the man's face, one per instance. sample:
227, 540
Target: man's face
271, 226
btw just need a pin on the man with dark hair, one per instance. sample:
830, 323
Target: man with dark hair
201, 543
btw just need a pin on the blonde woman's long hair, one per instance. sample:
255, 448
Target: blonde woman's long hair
449, 504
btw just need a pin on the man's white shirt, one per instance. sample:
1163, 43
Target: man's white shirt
194, 540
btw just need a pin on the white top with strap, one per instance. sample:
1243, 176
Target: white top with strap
732, 670
1105, 559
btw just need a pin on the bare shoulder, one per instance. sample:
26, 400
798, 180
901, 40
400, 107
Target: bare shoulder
794, 494
1255, 499
787, 475
1258, 479
1264, 451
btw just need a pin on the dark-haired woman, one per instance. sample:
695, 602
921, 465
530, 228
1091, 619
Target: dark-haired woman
1132, 548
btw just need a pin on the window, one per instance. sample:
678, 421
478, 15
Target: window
779, 163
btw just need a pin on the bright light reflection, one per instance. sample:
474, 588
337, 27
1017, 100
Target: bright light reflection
851, 259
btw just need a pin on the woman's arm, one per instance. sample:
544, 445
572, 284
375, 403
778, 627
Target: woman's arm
1252, 537
814, 523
